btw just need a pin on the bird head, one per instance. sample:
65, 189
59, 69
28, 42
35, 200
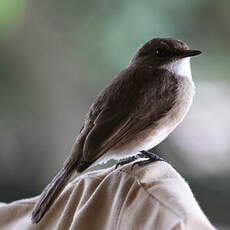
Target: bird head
165, 53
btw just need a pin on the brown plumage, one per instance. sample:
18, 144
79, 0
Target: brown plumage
141, 101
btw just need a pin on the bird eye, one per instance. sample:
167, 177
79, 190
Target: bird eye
160, 52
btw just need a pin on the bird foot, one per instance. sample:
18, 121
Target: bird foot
151, 158
126, 161
143, 154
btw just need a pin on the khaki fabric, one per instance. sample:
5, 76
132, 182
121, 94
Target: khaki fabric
149, 197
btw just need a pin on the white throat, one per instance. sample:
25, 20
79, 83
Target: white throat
180, 67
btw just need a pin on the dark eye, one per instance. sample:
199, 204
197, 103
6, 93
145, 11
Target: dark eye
161, 52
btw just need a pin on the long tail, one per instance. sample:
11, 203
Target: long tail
50, 193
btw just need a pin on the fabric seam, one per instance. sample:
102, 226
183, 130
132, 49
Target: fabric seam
150, 194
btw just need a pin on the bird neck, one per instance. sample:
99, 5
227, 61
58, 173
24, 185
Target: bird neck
179, 67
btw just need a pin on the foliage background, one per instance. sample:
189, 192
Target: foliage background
55, 56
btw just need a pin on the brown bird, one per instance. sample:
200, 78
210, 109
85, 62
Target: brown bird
135, 112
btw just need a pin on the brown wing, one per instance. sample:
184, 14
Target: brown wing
126, 107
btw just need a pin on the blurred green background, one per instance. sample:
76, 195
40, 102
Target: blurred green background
55, 56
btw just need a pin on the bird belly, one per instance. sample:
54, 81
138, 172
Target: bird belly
144, 141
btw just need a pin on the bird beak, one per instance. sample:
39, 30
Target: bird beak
187, 53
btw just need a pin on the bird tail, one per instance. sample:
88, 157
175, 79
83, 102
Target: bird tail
52, 190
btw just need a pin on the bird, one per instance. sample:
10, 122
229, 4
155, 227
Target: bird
136, 111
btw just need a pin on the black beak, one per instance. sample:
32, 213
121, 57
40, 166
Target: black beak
187, 53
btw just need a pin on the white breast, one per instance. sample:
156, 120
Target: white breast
180, 67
